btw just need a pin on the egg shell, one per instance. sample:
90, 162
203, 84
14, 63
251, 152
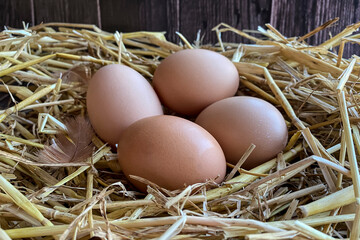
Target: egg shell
237, 122
118, 96
171, 152
190, 80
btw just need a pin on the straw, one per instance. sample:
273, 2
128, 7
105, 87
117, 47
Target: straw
21, 201
298, 193
309, 231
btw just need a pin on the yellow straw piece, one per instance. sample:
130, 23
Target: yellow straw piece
27, 101
20, 200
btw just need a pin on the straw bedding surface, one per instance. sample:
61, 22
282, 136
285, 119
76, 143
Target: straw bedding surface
310, 191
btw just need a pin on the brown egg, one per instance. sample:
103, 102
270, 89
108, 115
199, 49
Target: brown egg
192, 79
118, 96
237, 122
171, 152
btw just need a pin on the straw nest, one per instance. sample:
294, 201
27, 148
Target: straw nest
310, 191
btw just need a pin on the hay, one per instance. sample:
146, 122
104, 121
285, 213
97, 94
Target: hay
298, 195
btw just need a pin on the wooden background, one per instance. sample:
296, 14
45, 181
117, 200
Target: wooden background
290, 17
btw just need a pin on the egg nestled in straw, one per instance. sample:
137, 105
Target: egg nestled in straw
238, 122
118, 96
190, 80
171, 152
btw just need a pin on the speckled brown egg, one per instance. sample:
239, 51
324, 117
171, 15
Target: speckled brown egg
237, 122
118, 96
171, 152
190, 80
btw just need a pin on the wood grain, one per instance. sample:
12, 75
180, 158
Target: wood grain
14, 12
296, 18
204, 15
74, 11
140, 15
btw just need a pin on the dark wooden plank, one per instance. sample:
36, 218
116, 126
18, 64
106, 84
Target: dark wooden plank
120, 15
161, 15
13, 12
204, 15
73, 11
289, 17
140, 15
296, 18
